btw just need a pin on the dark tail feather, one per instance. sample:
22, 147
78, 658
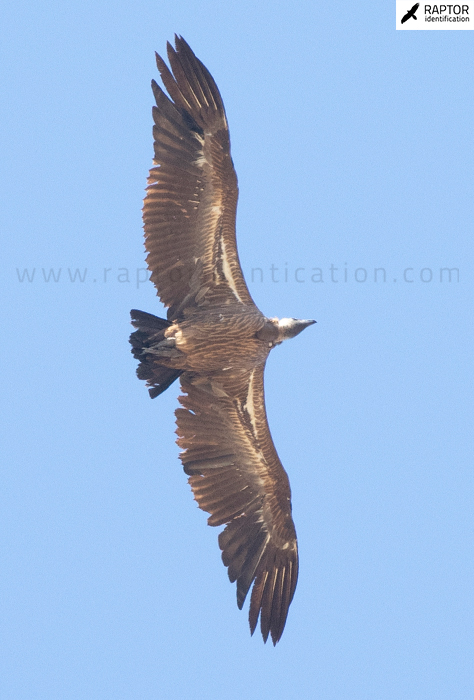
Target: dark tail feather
150, 331
148, 322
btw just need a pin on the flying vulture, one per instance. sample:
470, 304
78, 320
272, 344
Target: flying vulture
215, 340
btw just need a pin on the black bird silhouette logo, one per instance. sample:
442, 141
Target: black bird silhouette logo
411, 13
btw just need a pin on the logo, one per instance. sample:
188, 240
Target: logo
459, 15
410, 13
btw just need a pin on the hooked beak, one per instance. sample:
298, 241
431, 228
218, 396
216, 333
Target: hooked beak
290, 327
302, 324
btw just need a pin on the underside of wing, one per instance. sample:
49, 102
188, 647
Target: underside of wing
236, 476
190, 205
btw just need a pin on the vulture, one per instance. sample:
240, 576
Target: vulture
215, 340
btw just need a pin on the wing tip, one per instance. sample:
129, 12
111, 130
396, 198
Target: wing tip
273, 593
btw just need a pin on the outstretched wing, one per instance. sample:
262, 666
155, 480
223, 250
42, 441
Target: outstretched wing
237, 477
190, 205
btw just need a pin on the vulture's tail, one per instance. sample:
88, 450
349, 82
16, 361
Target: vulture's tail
150, 331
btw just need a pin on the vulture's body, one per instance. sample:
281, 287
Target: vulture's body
215, 340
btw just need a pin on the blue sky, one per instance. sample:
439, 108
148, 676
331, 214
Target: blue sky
353, 146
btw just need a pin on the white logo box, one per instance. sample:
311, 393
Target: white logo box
434, 16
